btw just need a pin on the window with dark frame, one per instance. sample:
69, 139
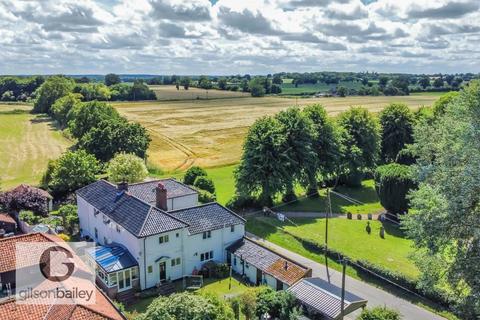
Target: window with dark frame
207, 234
232, 228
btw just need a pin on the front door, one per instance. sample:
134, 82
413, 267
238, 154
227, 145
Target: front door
124, 280
259, 277
163, 271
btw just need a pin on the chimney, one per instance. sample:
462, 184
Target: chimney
161, 197
122, 186
286, 265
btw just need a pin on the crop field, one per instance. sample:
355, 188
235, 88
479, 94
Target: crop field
27, 142
171, 93
210, 133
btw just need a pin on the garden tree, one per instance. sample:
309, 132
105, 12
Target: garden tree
93, 91
62, 107
73, 170
112, 136
342, 91
248, 303
438, 83
192, 174
69, 216
379, 313
222, 83
187, 306
397, 123
120, 91
205, 183
280, 305
424, 82
445, 221
185, 82
125, 167
24, 198
140, 91
262, 169
393, 182
361, 138
326, 144
53, 88
88, 115
442, 102
111, 79
297, 132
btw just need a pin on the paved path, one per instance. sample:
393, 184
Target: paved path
375, 296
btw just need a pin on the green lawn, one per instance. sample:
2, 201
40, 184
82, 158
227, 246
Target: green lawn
366, 194
346, 236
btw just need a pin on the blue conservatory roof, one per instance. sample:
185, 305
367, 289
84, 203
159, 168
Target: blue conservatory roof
112, 258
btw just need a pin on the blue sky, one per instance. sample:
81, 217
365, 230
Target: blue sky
233, 36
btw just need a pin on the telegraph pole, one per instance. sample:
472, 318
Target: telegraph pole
342, 306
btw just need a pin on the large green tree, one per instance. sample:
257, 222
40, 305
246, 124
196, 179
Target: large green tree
62, 107
442, 102
326, 144
397, 123
262, 168
112, 136
53, 88
111, 79
88, 115
71, 171
361, 139
125, 167
445, 221
297, 132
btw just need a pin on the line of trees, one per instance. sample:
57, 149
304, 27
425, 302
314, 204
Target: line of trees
19, 88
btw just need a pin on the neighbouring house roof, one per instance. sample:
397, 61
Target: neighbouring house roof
102, 309
325, 298
6, 218
135, 215
146, 190
112, 258
269, 261
210, 216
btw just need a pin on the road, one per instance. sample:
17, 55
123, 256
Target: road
374, 295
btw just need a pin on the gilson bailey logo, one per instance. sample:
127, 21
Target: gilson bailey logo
53, 273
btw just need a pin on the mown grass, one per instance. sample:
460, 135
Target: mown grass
27, 143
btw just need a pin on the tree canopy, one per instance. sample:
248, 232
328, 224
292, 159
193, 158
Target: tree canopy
53, 88
62, 107
361, 138
111, 79
397, 123
125, 167
445, 221
88, 115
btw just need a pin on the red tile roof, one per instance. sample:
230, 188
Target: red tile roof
5, 218
103, 309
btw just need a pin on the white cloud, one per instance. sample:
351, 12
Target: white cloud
232, 36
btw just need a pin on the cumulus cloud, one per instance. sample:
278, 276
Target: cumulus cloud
232, 36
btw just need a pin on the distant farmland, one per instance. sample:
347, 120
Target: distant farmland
171, 93
27, 142
308, 89
210, 133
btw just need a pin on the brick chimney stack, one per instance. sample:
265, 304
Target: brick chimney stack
161, 197
122, 186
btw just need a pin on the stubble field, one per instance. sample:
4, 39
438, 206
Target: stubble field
171, 93
210, 133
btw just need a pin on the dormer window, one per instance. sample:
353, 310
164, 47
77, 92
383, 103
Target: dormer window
95, 212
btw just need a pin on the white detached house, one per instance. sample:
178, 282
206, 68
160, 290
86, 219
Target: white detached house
152, 232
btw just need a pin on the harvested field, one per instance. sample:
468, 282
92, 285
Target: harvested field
171, 93
210, 133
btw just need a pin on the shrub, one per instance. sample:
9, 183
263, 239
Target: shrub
222, 270
125, 167
205, 183
238, 202
28, 217
192, 174
392, 183
205, 196
379, 313
64, 237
